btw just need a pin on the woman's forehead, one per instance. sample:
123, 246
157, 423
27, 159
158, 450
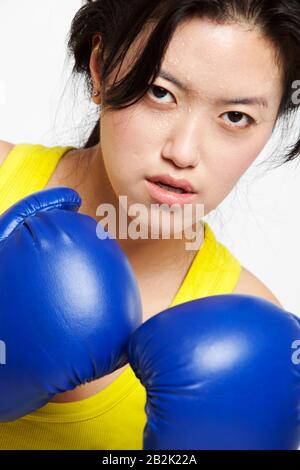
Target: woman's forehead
229, 60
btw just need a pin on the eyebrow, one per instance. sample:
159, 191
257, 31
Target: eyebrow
255, 100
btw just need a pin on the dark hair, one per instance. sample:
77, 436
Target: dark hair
119, 23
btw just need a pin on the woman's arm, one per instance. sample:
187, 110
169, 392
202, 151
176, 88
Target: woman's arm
250, 285
5, 148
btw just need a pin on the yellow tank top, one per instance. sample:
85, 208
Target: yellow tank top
114, 418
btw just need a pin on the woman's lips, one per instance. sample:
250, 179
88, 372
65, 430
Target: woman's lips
181, 183
164, 196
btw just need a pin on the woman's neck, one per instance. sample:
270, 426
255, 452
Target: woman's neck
84, 171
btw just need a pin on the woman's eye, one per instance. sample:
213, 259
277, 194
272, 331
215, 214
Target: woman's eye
158, 92
238, 119
235, 118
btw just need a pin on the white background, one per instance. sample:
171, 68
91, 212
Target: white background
259, 221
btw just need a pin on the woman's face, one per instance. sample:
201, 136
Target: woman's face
208, 134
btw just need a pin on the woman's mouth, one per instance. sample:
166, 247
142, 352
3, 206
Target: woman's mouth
165, 193
171, 188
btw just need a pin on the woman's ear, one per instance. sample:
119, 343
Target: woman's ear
96, 42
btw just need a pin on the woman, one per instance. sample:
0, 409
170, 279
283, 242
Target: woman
191, 90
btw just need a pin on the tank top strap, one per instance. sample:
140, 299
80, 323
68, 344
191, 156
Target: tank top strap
214, 271
27, 169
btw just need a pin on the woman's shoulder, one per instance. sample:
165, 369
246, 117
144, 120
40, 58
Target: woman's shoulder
249, 284
5, 149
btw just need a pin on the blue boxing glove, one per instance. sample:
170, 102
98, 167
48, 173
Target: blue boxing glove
220, 373
68, 301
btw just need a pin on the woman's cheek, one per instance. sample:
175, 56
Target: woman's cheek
225, 170
230, 168
235, 161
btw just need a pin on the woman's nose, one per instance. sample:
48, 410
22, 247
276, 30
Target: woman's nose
183, 147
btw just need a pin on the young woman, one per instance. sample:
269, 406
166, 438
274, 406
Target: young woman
190, 93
